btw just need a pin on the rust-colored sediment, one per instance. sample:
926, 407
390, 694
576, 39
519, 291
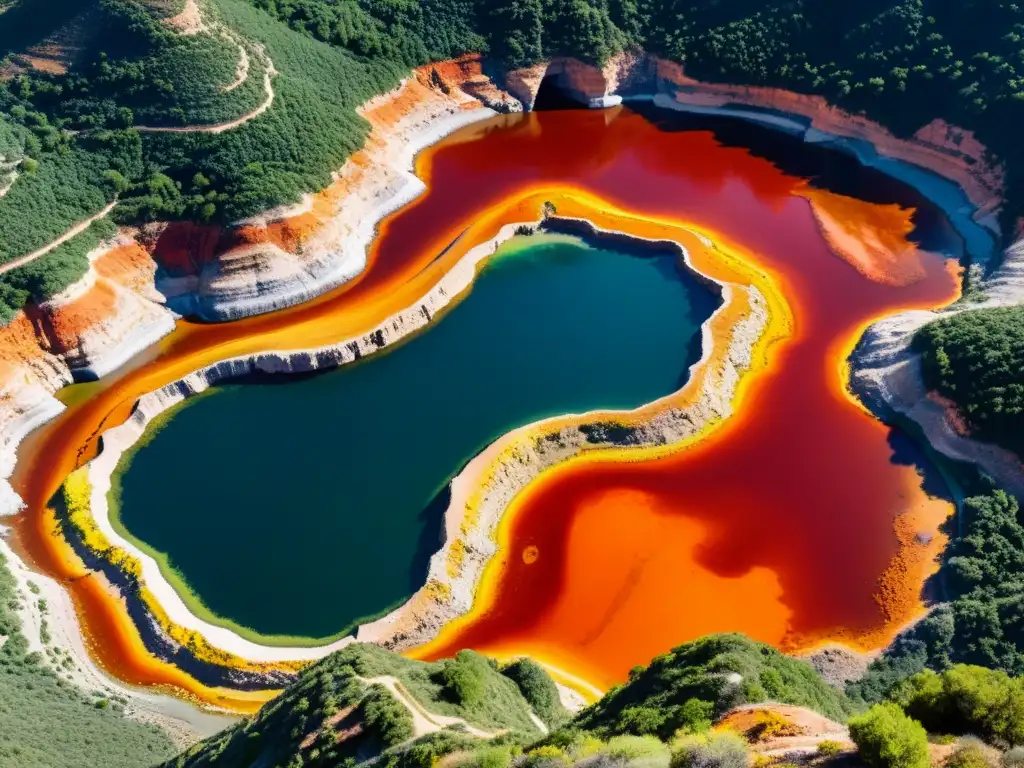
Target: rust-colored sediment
796, 521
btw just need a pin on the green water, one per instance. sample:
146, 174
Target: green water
296, 508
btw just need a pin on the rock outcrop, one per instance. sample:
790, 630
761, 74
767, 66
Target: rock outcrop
886, 375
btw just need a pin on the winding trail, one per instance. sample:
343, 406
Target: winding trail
424, 722
242, 70
78, 229
268, 75
9, 183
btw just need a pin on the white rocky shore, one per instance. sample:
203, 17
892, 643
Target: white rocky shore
886, 375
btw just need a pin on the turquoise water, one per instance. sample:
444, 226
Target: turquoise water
296, 506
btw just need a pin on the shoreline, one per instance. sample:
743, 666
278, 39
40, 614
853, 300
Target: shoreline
118, 440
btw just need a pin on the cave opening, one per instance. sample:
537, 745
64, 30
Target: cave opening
552, 96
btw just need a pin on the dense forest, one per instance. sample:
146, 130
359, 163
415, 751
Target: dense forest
84, 137
976, 358
982, 622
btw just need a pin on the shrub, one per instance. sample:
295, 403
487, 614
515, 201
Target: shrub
634, 749
463, 680
970, 753
829, 748
1014, 758
712, 750
546, 754
966, 699
538, 689
385, 716
887, 738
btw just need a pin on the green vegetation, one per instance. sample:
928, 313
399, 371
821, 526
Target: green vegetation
903, 61
970, 753
46, 721
887, 738
681, 689
333, 699
538, 689
983, 624
976, 358
711, 750
966, 699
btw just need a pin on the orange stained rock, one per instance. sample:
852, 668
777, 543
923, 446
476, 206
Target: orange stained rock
797, 520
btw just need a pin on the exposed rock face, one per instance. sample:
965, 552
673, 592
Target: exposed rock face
886, 375
286, 257
90, 329
626, 73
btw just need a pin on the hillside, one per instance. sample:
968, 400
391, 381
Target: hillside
977, 359
702, 680
711, 703
47, 721
362, 701
215, 110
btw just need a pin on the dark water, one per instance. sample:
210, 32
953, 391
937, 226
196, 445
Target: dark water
299, 507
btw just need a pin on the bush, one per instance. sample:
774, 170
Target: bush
463, 680
386, 717
538, 689
970, 753
967, 699
829, 748
634, 749
712, 750
887, 738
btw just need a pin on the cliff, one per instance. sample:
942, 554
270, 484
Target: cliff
90, 329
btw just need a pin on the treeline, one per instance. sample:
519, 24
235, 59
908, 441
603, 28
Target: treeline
983, 622
976, 358
903, 61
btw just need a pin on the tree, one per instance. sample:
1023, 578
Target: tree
888, 738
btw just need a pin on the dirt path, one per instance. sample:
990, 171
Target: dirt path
189, 21
5, 186
78, 229
424, 722
268, 86
242, 69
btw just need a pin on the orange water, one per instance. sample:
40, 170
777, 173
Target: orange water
794, 522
